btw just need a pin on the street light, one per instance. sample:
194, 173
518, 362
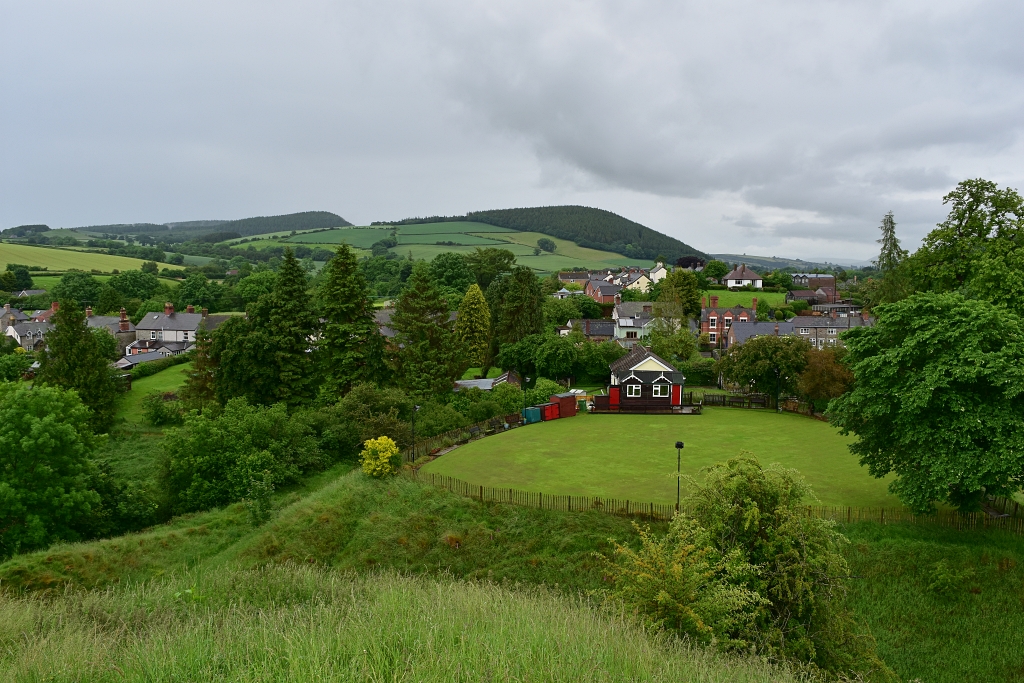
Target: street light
679, 462
778, 389
415, 408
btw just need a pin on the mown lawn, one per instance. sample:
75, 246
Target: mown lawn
727, 299
632, 457
170, 379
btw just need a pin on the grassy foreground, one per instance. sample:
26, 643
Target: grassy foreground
631, 457
306, 624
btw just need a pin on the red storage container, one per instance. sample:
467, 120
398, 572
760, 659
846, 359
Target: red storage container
548, 411
566, 404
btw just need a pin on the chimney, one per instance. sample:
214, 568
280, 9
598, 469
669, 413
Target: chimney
55, 306
588, 331
753, 304
190, 309
206, 312
7, 308
714, 304
776, 332
88, 311
703, 303
123, 324
168, 308
833, 314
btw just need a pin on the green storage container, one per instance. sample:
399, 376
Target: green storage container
531, 415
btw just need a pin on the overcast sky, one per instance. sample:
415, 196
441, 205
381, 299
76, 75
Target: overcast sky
771, 128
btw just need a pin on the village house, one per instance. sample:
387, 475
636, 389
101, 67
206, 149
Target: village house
741, 277
119, 326
813, 281
715, 321
29, 334
658, 273
564, 293
633, 322
641, 382
741, 332
44, 315
822, 331
603, 292
592, 330
574, 278
11, 316
169, 332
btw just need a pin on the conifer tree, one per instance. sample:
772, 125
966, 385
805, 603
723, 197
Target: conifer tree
265, 357
473, 326
890, 262
351, 349
426, 359
199, 385
73, 359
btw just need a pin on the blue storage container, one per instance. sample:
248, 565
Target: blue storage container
531, 415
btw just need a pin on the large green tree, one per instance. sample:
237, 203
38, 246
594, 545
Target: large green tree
199, 390
350, 348
134, 284
266, 356
78, 286
74, 359
979, 248
473, 326
451, 271
516, 303
680, 290
768, 364
425, 356
938, 399
45, 446
487, 263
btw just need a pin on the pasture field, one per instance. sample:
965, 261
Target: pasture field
170, 379
55, 258
456, 226
727, 299
631, 457
460, 238
354, 237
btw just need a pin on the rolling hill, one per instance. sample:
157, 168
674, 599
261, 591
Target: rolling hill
584, 226
259, 225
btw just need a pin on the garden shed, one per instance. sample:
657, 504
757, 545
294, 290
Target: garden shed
566, 404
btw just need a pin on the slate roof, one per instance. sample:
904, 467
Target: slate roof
33, 329
7, 313
631, 309
705, 313
742, 273
137, 358
488, 384
29, 292
608, 289
215, 321
637, 355
111, 322
594, 328
829, 321
173, 321
741, 332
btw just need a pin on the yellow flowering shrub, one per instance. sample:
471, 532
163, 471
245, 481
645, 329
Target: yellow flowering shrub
380, 457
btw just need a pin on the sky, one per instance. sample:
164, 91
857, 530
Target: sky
763, 127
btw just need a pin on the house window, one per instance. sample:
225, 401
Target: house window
831, 342
805, 330
661, 391
633, 390
712, 337
728, 323
184, 335
832, 331
714, 323
631, 334
152, 335
743, 318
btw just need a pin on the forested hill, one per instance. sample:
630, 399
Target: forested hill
587, 227
178, 232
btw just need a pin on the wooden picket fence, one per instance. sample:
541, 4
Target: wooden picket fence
457, 436
665, 512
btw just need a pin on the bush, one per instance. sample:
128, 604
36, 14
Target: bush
437, 418
153, 367
212, 460
13, 366
509, 398
380, 457
699, 373
750, 569
162, 409
541, 392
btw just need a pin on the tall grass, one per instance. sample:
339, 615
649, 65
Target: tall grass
290, 623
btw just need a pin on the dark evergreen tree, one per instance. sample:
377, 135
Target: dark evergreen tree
426, 357
351, 349
516, 305
199, 391
73, 359
266, 357
890, 264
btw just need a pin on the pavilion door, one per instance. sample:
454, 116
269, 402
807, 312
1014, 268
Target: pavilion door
677, 394
613, 396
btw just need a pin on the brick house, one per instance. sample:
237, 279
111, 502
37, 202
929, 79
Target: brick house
812, 281
715, 321
603, 292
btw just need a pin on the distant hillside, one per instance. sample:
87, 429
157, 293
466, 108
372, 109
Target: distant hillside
245, 227
773, 262
587, 227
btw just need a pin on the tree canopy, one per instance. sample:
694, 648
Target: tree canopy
938, 399
767, 363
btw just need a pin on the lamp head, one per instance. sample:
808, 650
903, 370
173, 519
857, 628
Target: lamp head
679, 444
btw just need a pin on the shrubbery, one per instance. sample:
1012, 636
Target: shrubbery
152, 367
380, 457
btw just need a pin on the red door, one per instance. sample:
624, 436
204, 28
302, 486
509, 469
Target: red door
677, 395
613, 396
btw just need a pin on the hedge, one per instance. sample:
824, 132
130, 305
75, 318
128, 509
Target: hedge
153, 367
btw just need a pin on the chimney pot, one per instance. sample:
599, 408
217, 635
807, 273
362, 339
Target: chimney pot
714, 301
206, 312
190, 309
168, 308
123, 324
703, 303
753, 304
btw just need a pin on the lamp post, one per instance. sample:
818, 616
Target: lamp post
679, 462
415, 408
778, 389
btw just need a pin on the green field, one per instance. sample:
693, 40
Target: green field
65, 259
170, 379
459, 238
727, 299
631, 457
354, 237
452, 227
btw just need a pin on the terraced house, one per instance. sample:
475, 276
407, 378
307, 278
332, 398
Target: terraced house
824, 330
715, 321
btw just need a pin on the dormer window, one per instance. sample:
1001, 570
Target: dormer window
714, 323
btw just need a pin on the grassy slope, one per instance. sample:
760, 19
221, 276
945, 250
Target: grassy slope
63, 259
976, 633
170, 379
301, 624
631, 456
